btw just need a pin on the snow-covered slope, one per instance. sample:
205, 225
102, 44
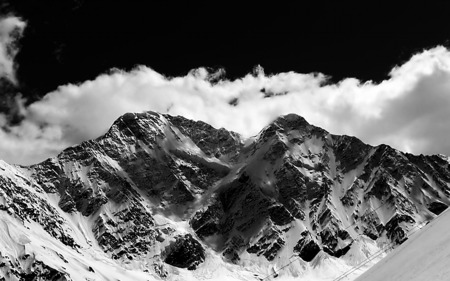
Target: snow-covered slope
164, 197
425, 256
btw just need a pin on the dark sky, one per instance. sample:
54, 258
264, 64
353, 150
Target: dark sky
72, 41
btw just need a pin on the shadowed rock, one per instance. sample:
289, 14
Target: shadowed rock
185, 252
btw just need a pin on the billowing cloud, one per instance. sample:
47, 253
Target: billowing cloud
11, 29
409, 111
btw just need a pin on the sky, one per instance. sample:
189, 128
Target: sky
68, 69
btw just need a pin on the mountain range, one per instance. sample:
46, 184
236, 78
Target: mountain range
161, 197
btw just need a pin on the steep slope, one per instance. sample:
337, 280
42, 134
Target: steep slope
425, 256
41, 242
165, 197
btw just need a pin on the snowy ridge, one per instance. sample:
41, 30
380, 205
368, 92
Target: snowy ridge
160, 197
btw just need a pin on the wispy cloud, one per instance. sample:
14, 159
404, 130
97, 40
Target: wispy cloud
409, 111
11, 29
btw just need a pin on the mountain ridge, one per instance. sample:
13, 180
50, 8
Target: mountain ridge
162, 196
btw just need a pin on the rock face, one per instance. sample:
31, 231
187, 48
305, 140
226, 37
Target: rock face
306, 248
161, 192
185, 252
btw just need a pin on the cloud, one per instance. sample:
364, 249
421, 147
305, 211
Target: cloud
11, 29
408, 111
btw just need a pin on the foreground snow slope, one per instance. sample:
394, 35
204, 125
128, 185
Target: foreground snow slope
424, 256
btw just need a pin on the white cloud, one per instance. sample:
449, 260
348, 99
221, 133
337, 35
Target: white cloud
11, 29
408, 111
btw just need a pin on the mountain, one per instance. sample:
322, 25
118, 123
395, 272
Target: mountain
164, 197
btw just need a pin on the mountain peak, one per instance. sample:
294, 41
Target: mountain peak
147, 116
291, 120
284, 124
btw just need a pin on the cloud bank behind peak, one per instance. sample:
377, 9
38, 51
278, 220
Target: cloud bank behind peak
408, 111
